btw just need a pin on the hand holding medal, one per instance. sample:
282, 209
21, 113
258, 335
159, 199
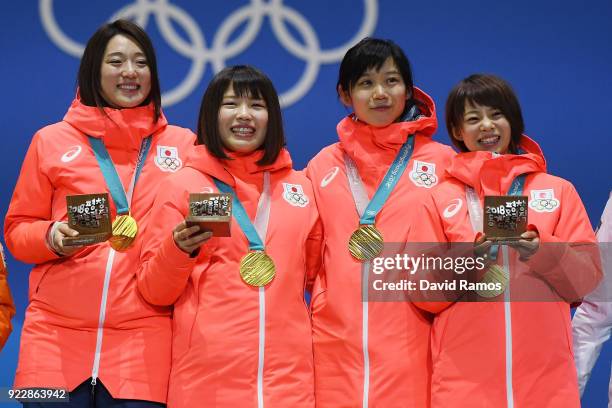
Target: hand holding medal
506, 221
190, 238
60, 231
527, 245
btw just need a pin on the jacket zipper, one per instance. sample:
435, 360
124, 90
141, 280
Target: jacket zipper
365, 269
96, 364
262, 343
508, 329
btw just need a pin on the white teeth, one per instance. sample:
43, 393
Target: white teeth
242, 130
489, 140
128, 86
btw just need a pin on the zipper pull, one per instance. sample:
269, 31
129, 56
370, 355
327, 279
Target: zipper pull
93, 387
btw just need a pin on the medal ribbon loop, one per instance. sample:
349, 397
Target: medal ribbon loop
111, 177
368, 210
253, 233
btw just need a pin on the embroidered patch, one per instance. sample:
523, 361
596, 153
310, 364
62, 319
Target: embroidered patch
294, 195
167, 159
453, 208
330, 176
71, 154
423, 174
543, 200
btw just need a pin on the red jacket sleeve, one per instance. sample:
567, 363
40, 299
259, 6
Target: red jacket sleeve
422, 238
7, 308
29, 214
164, 268
568, 259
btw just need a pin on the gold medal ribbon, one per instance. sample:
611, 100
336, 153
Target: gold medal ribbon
125, 227
256, 267
366, 242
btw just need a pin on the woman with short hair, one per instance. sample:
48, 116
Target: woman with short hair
242, 334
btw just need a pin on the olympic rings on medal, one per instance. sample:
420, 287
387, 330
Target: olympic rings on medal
221, 50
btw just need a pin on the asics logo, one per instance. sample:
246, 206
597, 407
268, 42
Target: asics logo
71, 154
453, 208
330, 176
280, 16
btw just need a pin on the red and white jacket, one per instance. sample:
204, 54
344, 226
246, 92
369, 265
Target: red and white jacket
85, 317
371, 353
236, 345
504, 353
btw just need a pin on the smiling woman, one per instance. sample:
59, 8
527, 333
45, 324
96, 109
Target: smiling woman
243, 121
356, 343
86, 328
506, 342
125, 75
232, 346
119, 70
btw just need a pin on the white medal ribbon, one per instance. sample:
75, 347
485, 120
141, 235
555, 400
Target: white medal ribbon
360, 196
474, 209
262, 217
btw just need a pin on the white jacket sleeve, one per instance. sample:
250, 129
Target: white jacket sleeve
592, 322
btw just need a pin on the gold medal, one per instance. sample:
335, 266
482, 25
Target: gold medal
366, 243
257, 268
125, 229
494, 275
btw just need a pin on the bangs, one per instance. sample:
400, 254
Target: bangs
484, 94
372, 57
246, 81
247, 84
371, 54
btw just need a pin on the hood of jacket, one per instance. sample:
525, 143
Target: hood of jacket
371, 146
241, 166
118, 128
492, 174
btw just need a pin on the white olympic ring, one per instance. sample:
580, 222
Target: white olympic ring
221, 50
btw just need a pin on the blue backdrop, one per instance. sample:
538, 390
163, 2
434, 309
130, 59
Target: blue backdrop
557, 55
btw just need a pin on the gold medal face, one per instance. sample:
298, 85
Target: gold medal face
495, 274
257, 268
125, 229
366, 243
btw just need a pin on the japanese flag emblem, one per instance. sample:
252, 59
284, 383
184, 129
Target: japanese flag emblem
423, 174
167, 159
294, 195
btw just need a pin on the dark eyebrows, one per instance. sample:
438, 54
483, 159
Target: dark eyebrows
121, 54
